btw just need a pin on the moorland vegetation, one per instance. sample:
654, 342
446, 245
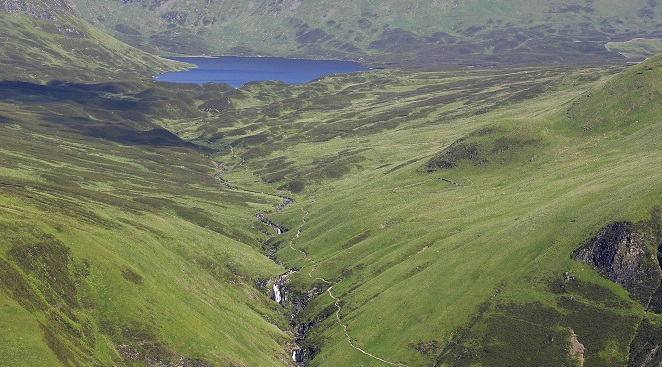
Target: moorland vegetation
462, 216
422, 34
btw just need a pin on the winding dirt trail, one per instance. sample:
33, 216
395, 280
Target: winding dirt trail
349, 338
335, 299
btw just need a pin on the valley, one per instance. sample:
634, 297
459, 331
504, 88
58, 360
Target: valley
428, 213
417, 234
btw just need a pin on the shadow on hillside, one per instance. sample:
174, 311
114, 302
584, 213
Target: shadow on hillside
119, 132
6, 120
106, 96
69, 107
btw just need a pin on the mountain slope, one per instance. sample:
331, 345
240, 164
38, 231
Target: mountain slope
413, 34
44, 40
435, 217
466, 262
119, 246
122, 247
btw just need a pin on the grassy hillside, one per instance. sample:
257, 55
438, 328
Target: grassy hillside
43, 40
435, 218
119, 245
436, 212
384, 32
638, 47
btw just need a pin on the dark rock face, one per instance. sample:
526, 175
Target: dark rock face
630, 254
626, 254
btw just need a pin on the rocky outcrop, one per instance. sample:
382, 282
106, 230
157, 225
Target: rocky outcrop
630, 254
305, 349
36, 10
625, 253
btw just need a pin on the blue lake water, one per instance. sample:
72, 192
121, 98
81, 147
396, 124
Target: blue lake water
237, 71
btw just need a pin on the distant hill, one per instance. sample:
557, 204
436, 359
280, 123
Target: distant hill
412, 33
43, 40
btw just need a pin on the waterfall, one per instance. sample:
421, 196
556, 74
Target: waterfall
277, 295
297, 356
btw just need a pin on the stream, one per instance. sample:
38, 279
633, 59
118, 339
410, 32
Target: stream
280, 294
278, 289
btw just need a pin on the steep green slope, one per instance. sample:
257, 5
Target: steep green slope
469, 264
119, 247
43, 40
413, 34
435, 219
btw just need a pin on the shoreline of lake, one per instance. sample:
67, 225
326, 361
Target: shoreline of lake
239, 70
255, 56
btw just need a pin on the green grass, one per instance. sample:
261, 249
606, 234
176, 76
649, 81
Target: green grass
636, 48
152, 235
22, 340
121, 246
541, 183
44, 40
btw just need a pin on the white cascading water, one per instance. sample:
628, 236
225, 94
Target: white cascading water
277, 296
